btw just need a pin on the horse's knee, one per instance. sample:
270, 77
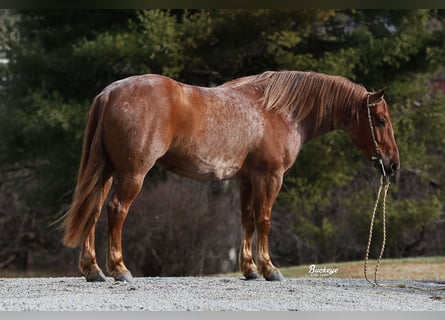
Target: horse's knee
113, 206
263, 227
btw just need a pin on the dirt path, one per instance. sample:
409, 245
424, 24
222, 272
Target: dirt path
161, 294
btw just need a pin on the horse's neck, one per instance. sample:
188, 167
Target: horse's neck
309, 129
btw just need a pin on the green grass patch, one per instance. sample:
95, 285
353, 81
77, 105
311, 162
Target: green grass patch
419, 268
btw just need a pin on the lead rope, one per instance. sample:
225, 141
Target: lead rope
384, 184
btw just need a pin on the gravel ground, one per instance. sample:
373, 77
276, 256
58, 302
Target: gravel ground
213, 294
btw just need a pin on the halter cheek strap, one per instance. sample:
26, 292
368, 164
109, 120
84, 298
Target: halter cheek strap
371, 126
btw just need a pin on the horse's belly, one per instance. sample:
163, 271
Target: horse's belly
200, 167
217, 168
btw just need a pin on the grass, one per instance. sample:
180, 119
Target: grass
422, 268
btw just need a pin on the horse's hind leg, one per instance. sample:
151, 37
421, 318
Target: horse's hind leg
128, 187
246, 262
87, 261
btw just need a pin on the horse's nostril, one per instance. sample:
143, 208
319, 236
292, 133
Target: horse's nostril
394, 166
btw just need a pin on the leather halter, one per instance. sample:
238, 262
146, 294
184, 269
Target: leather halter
378, 156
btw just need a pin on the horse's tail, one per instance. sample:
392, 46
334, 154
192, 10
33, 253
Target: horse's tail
88, 195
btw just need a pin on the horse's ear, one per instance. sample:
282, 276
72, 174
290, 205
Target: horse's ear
377, 95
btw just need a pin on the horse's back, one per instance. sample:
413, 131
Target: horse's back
194, 131
216, 129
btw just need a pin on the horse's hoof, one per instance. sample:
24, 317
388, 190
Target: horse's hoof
252, 276
99, 277
276, 276
126, 277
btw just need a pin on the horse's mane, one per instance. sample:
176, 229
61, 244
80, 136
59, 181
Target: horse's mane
298, 94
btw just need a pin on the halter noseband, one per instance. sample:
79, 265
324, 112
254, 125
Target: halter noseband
371, 126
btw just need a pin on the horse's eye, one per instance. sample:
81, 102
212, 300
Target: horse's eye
381, 122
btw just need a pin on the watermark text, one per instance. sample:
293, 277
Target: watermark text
321, 271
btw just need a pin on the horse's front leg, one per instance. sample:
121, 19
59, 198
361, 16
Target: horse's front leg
246, 262
266, 189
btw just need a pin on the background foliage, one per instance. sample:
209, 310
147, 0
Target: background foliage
57, 61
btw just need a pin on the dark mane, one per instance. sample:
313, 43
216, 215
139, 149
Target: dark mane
297, 94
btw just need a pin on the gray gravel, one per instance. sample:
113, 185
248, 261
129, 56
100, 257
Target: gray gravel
208, 294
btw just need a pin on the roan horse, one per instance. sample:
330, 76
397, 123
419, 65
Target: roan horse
250, 129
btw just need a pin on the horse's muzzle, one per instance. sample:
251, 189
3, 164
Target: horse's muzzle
389, 168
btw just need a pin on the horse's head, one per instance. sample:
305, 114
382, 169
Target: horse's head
374, 135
